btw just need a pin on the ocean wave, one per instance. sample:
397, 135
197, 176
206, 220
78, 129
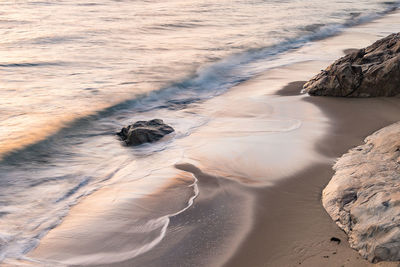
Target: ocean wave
209, 80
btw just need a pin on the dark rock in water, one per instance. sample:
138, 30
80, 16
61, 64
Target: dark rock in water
144, 132
368, 72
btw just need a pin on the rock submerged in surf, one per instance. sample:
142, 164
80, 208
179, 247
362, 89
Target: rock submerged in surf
369, 72
144, 132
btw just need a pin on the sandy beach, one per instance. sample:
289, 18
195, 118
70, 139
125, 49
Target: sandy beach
246, 190
301, 227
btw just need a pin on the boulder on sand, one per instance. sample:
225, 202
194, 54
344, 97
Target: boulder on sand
363, 197
368, 72
144, 132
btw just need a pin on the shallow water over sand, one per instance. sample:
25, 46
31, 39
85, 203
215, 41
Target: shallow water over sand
63, 60
255, 145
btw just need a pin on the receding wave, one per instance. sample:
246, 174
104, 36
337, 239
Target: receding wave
155, 225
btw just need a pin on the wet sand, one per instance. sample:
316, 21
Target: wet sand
261, 163
292, 227
291, 89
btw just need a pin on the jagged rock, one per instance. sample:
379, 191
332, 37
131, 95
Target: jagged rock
363, 197
144, 132
368, 72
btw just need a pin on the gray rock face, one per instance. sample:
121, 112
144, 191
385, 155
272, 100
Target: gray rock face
363, 197
144, 132
368, 72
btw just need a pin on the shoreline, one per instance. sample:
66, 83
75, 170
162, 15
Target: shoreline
302, 229
287, 223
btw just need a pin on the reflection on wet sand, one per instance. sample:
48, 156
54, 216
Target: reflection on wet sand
120, 221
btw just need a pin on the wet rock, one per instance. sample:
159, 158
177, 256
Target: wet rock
144, 132
368, 72
363, 197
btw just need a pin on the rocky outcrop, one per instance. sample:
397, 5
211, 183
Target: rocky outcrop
144, 132
368, 72
363, 197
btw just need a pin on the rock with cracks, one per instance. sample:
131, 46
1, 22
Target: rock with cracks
368, 72
363, 197
144, 132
